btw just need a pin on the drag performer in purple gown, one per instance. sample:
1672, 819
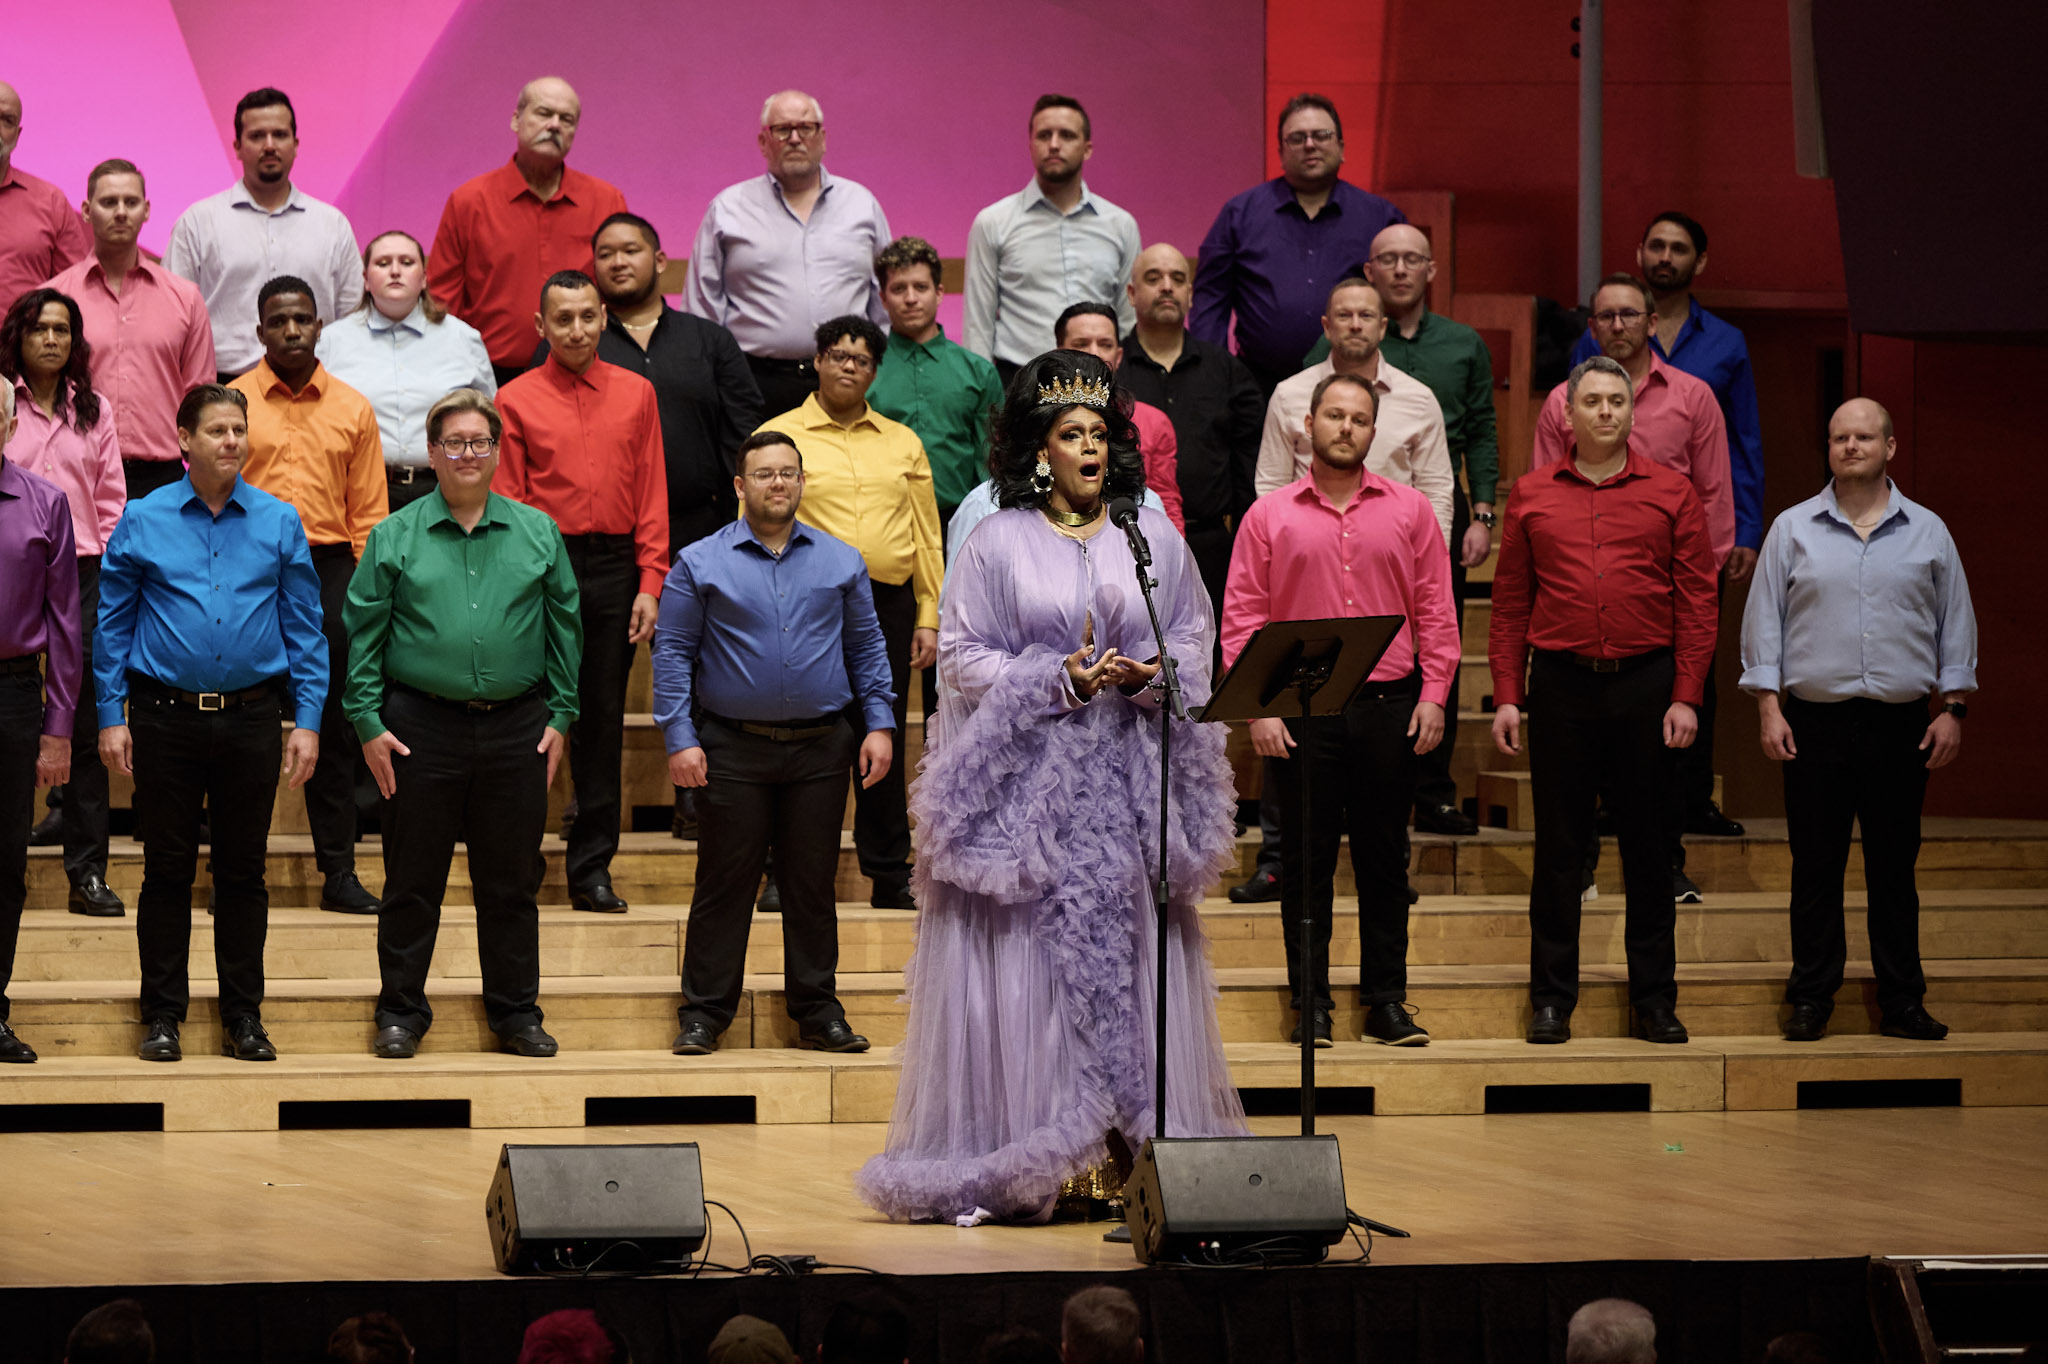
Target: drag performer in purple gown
1029, 1054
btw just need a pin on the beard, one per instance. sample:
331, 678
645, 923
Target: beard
1668, 279
632, 299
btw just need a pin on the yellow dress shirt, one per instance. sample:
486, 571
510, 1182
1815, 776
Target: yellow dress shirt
870, 485
319, 450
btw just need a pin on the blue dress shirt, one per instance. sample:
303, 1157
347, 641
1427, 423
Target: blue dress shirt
751, 635
1832, 617
209, 603
1713, 351
404, 367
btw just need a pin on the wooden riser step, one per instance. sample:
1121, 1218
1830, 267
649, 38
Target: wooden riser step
213, 1094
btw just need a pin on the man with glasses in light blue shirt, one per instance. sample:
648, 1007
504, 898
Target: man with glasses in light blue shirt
1859, 618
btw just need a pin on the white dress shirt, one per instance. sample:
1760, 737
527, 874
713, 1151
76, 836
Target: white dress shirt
1408, 442
404, 367
231, 247
1027, 261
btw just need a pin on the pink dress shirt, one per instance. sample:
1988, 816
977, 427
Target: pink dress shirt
85, 465
1298, 558
150, 343
40, 234
1678, 425
1160, 449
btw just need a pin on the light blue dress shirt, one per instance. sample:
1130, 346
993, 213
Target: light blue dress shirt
404, 367
1027, 261
1832, 617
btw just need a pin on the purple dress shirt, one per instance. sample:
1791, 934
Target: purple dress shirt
1271, 266
39, 588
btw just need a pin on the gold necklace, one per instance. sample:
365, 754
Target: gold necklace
1074, 518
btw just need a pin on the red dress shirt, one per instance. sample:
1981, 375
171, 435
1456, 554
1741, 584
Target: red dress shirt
1160, 449
498, 243
150, 343
1298, 558
1678, 424
40, 234
586, 449
1608, 570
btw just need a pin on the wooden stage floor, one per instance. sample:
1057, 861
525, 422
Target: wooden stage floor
155, 1208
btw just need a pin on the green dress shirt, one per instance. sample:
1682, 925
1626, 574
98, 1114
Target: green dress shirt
944, 392
479, 615
1453, 363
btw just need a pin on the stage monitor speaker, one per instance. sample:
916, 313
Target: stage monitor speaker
1213, 1200
575, 1208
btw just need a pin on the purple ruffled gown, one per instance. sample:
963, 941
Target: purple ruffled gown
1032, 985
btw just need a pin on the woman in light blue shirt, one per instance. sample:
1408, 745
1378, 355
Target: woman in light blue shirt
404, 352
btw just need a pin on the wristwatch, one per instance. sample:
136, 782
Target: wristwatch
1485, 519
1957, 709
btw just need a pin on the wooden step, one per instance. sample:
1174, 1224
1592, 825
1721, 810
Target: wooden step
1475, 684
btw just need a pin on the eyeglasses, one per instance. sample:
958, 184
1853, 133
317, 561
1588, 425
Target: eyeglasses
477, 447
1322, 137
1387, 260
761, 478
782, 132
1626, 317
846, 359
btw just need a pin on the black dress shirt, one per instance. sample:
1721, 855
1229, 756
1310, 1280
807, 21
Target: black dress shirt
1217, 411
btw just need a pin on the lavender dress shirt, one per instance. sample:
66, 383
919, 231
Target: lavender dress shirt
231, 247
39, 589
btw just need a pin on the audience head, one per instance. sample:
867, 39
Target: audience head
1355, 320
395, 277
1860, 442
1400, 266
1061, 139
571, 1336
792, 137
1622, 310
869, 1329
1100, 1325
849, 353
908, 270
1161, 286
1601, 400
10, 122
1019, 1346
627, 251
749, 1340
1611, 1331
42, 339
1091, 328
1798, 1347
1673, 250
544, 122
266, 137
116, 205
1311, 142
1341, 413
213, 431
571, 318
112, 1333
372, 1338
1064, 406
770, 481
288, 325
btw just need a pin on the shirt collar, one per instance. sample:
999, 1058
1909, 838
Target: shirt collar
1632, 467
1034, 195
775, 186
1281, 196
1831, 509
437, 511
512, 184
267, 382
414, 321
24, 401
236, 495
144, 268
1305, 490
239, 196
563, 377
799, 533
899, 342
13, 481
613, 324
814, 417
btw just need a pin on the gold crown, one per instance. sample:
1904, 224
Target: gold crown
1074, 393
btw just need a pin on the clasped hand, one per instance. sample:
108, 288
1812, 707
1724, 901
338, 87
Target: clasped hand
1111, 670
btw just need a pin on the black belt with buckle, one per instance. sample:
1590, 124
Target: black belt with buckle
406, 474
27, 663
783, 732
1595, 664
147, 688
475, 706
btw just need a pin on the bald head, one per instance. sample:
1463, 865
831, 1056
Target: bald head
1860, 444
1400, 267
10, 122
544, 122
1862, 412
1611, 1331
792, 139
1160, 288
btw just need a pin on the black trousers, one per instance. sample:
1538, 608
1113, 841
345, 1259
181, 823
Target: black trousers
331, 791
145, 476
21, 735
1858, 761
474, 774
1434, 784
607, 580
1362, 771
881, 813
1590, 732
224, 763
84, 798
404, 492
784, 384
688, 525
763, 791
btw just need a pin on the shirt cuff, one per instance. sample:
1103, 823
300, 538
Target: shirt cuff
650, 582
1484, 492
1436, 693
1956, 677
1759, 679
1507, 692
305, 719
370, 726
1682, 690
560, 720
878, 715
114, 712
57, 721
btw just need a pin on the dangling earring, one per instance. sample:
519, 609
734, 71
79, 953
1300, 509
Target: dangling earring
1041, 477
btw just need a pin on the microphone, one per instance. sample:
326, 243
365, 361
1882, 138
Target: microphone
1123, 512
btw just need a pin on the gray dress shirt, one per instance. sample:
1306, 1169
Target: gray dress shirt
1027, 261
231, 247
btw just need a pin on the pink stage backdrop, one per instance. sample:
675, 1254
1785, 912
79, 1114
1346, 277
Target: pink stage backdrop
400, 100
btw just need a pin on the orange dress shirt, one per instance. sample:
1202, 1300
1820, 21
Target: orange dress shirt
498, 243
319, 450
586, 449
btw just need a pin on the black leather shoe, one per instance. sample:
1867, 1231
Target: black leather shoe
1713, 823
1808, 1023
1444, 819
834, 1036
49, 831
344, 894
892, 895
1321, 1023
1661, 1025
246, 1041
1550, 1025
395, 1043
91, 896
771, 897
696, 1039
598, 899
684, 825
13, 1049
1262, 888
1391, 1024
528, 1041
1913, 1022
162, 1042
